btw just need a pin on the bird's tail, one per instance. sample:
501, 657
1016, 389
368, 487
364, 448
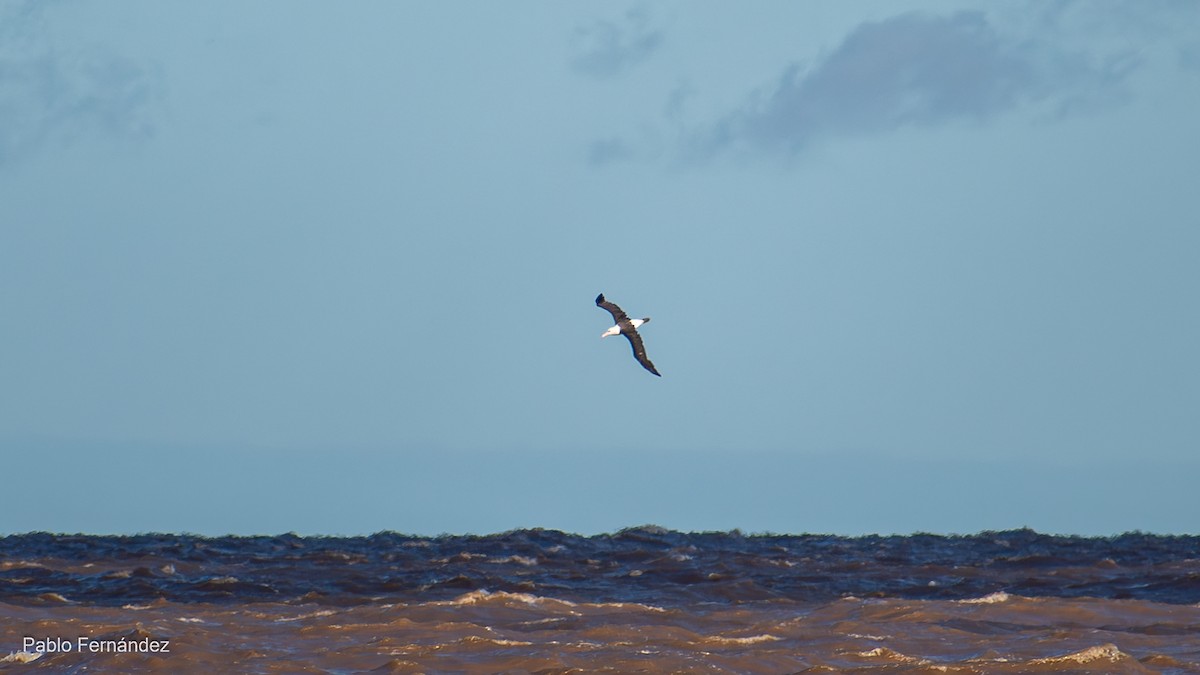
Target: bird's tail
645, 320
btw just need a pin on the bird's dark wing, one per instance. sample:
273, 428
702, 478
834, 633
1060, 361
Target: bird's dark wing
639, 350
618, 314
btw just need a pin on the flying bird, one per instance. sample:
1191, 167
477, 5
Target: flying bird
627, 327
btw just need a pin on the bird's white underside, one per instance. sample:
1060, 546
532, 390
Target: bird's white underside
616, 330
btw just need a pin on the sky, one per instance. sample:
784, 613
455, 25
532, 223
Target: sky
330, 269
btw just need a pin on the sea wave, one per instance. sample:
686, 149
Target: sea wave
22, 657
989, 599
484, 597
1105, 652
648, 564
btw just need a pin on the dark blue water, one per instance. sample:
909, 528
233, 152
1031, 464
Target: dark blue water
646, 564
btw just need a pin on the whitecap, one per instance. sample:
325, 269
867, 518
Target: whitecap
627, 605
500, 642
310, 615
1106, 652
222, 581
892, 655
989, 599
6, 565
750, 640
517, 559
484, 596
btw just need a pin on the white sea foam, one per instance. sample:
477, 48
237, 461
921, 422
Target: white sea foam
223, 580
750, 640
892, 655
989, 599
517, 559
22, 657
463, 556
501, 642
310, 615
14, 564
482, 596
1105, 652
626, 605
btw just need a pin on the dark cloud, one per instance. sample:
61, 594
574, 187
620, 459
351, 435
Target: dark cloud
606, 48
911, 70
48, 94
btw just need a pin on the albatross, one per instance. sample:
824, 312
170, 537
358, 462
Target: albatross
627, 327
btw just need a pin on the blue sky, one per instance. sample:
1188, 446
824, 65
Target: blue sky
329, 269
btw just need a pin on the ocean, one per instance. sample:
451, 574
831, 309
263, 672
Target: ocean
644, 600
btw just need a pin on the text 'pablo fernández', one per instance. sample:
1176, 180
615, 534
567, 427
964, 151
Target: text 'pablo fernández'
85, 644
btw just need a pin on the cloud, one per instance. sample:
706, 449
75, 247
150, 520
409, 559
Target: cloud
606, 48
915, 70
48, 95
